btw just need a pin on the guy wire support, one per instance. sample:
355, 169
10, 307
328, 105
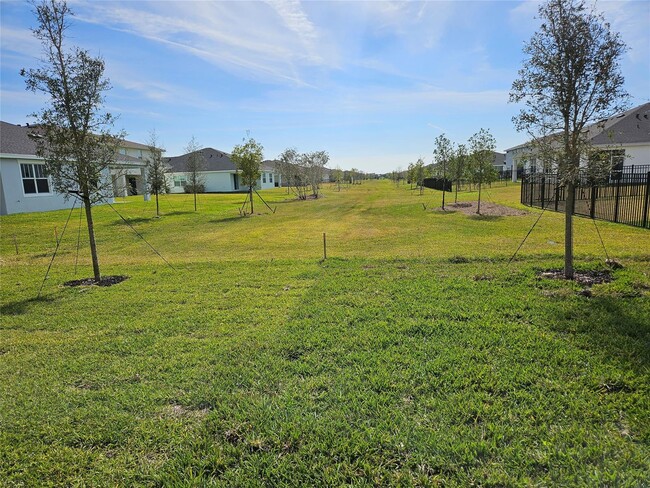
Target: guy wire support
522, 242
141, 236
76, 259
56, 250
267, 205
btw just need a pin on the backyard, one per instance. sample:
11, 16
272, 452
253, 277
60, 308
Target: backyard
415, 354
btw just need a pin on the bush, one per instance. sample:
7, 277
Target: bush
189, 188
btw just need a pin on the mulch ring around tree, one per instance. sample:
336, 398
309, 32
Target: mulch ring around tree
487, 208
584, 278
104, 281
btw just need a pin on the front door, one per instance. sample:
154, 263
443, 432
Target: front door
133, 185
236, 181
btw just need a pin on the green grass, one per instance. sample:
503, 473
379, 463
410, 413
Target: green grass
414, 355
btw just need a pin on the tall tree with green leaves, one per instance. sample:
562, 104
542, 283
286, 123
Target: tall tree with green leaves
194, 169
443, 154
156, 169
248, 158
75, 137
480, 169
571, 77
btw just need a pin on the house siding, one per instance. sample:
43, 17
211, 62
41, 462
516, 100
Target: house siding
12, 197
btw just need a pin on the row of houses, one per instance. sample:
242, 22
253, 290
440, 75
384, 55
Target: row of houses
26, 187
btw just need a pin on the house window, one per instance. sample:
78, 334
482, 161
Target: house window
35, 179
123, 151
263, 177
180, 181
270, 177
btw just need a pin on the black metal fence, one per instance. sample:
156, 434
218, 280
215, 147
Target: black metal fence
623, 196
441, 184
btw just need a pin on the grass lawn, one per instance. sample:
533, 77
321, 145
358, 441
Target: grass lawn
414, 355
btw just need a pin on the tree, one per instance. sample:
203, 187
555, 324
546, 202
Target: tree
75, 138
194, 167
248, 158
443, 154
156, 169
314, 165
419, 174
571, 77
480, 168
410, 174
337, 174
293, 173
457, 167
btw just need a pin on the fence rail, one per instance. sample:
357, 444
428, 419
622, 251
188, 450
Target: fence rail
623, 196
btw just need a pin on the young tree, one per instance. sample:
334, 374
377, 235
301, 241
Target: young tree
286, 166
337, 174
410, 174
418, 174
156, 169
571, 77
482, 146
457, 167
443, 153
248, 158
194, 167
75, 137
314, 164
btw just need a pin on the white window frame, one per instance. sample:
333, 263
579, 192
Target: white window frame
180, 181
32, 171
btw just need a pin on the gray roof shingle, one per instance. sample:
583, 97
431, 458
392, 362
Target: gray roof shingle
213, 160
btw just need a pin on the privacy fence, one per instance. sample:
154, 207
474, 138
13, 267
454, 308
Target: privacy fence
623, 196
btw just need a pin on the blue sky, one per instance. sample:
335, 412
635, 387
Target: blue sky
372, 83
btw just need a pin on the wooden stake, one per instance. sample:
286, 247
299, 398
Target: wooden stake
324, 247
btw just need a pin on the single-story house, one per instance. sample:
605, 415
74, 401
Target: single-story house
219, 174
26, 187
625, 136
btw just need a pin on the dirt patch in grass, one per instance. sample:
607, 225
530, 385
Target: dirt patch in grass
585, 278
104, 281
492, 209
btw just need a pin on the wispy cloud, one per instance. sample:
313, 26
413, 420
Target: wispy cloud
269, 41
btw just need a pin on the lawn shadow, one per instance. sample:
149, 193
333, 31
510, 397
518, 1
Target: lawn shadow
226, 220
21, 307
176, 212
488, 218
133, 220
621, 333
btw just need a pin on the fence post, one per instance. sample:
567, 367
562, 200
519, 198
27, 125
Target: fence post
532, 187
543, 189
647, 200
617, 198
592, 210
557, 192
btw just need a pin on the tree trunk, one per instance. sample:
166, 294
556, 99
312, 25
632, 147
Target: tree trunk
157, 208
91, 237
195, 197
456, 198
444, 178
568, 230
478, 210
250, 190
